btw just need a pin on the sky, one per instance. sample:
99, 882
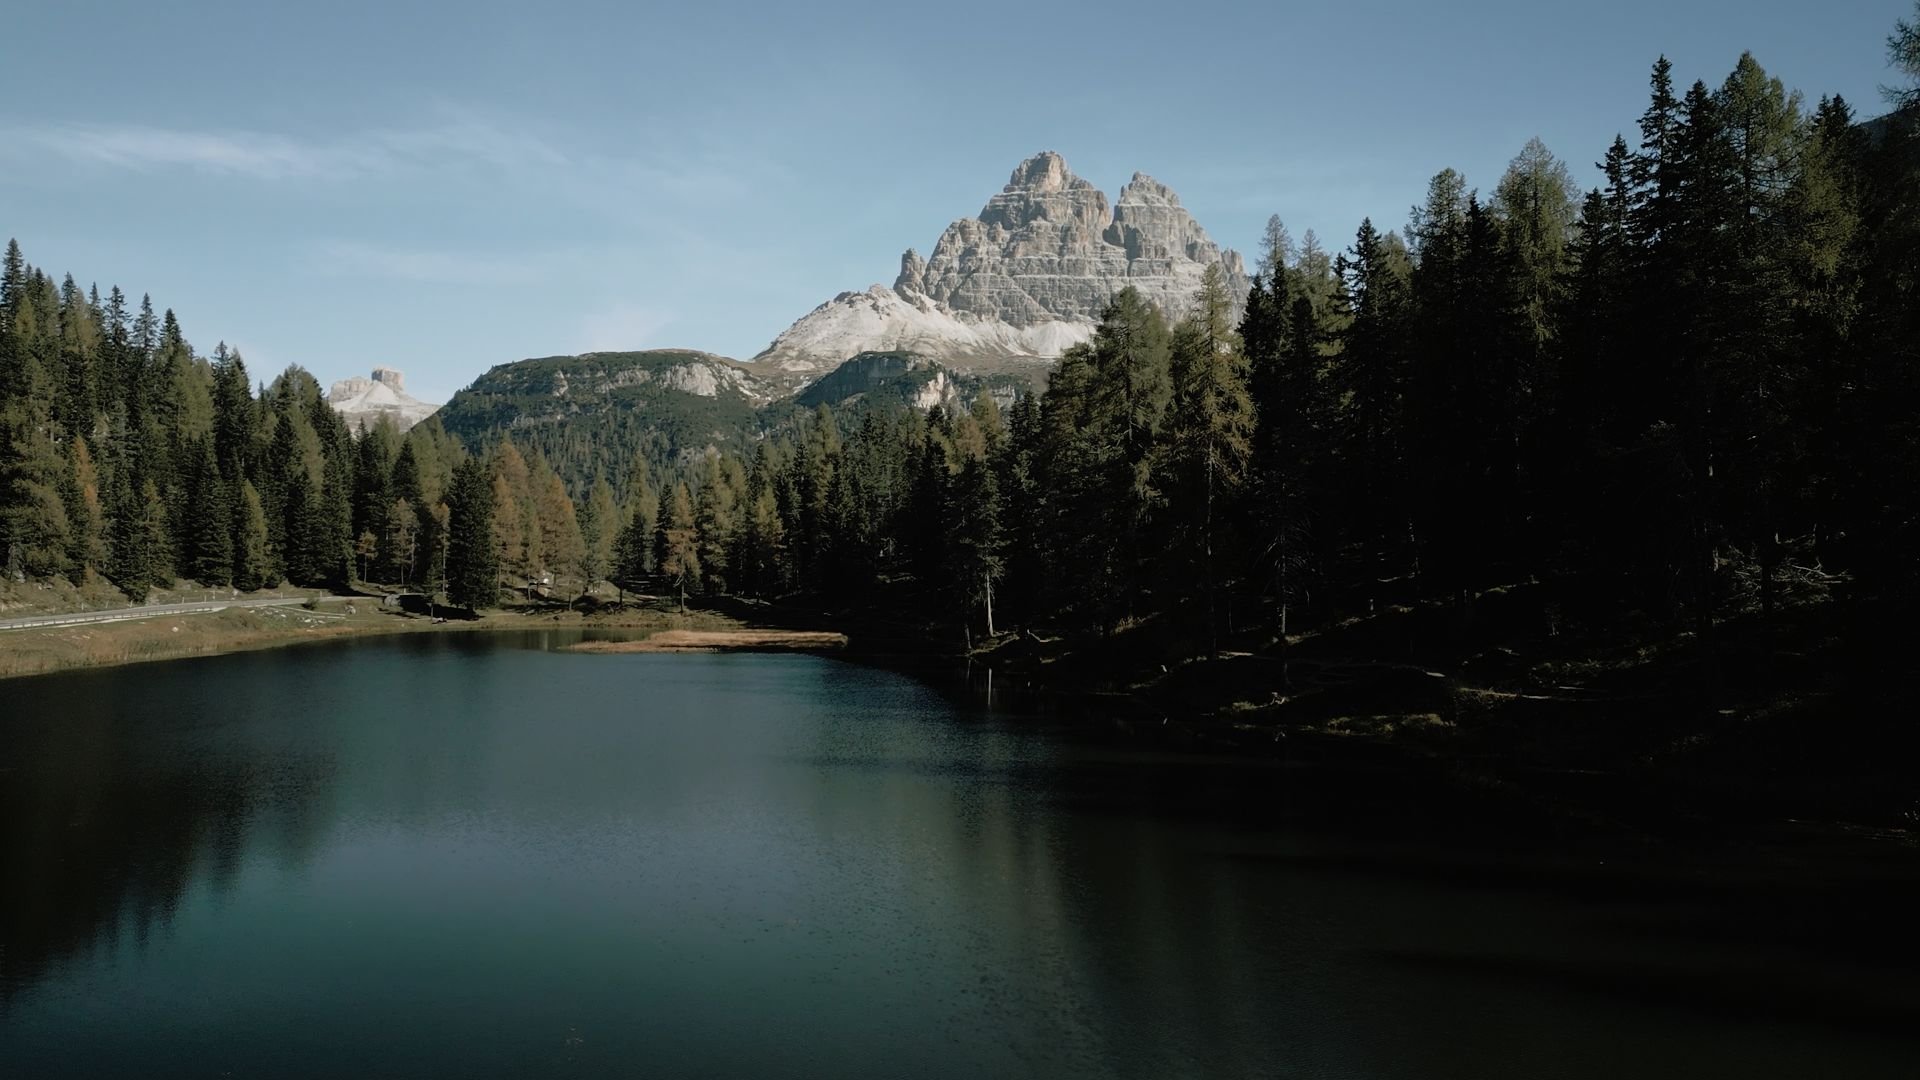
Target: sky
446, 187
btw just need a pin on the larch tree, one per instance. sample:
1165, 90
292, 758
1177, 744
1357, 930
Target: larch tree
679, 543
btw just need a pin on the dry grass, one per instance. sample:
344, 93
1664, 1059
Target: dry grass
721, 641
171, 637
58, 648
58, 596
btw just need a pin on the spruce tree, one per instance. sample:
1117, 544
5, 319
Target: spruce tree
1209, 437
129, 560
35, 529
234, 414
209, 558
1371, 375
473, 564
252, 563
714, 522
599, 531
974, 543
156, 536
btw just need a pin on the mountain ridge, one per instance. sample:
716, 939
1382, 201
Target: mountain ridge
1023, 280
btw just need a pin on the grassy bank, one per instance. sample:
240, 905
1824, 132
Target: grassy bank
170, 637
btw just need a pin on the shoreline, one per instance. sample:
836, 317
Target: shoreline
92, 646
712, 641
1167, 715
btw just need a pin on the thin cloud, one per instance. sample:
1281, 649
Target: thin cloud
462, 141
344, 258
146, 149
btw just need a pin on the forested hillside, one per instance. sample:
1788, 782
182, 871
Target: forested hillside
126, 454
592, 414
1689, 393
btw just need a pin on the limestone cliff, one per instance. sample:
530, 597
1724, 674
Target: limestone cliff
365, 400
1023, 280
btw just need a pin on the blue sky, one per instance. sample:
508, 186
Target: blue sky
442, 188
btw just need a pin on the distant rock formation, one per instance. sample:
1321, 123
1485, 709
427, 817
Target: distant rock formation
1022, 281
359, 400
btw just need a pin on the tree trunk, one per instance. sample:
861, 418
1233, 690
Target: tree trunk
989, 606
1286, 658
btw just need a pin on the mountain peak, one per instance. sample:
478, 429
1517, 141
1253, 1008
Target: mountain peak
1025, 279
1045, 171
1144, 189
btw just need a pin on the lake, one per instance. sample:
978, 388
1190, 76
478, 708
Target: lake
476, 855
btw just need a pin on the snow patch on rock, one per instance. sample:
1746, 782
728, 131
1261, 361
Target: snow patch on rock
882, 320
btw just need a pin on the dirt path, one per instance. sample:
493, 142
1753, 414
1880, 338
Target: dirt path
147, 611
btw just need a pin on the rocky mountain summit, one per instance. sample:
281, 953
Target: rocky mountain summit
365, 400
1022, 281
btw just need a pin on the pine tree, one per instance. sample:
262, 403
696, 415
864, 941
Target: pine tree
34, 526
403, 540
641, 519
155, 536
715, 521
124, 366
473, 566
79, 361
373, 454
1371, 375
1101, 420
14, 284
1280, 340
333, 541
1903, 53
129, 561
252, 563
1209, 434
760, 549
407, 538
813, 470
209, 555
598, 534
234, 414
1019, 478
974, 542
87, 543
300, 525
